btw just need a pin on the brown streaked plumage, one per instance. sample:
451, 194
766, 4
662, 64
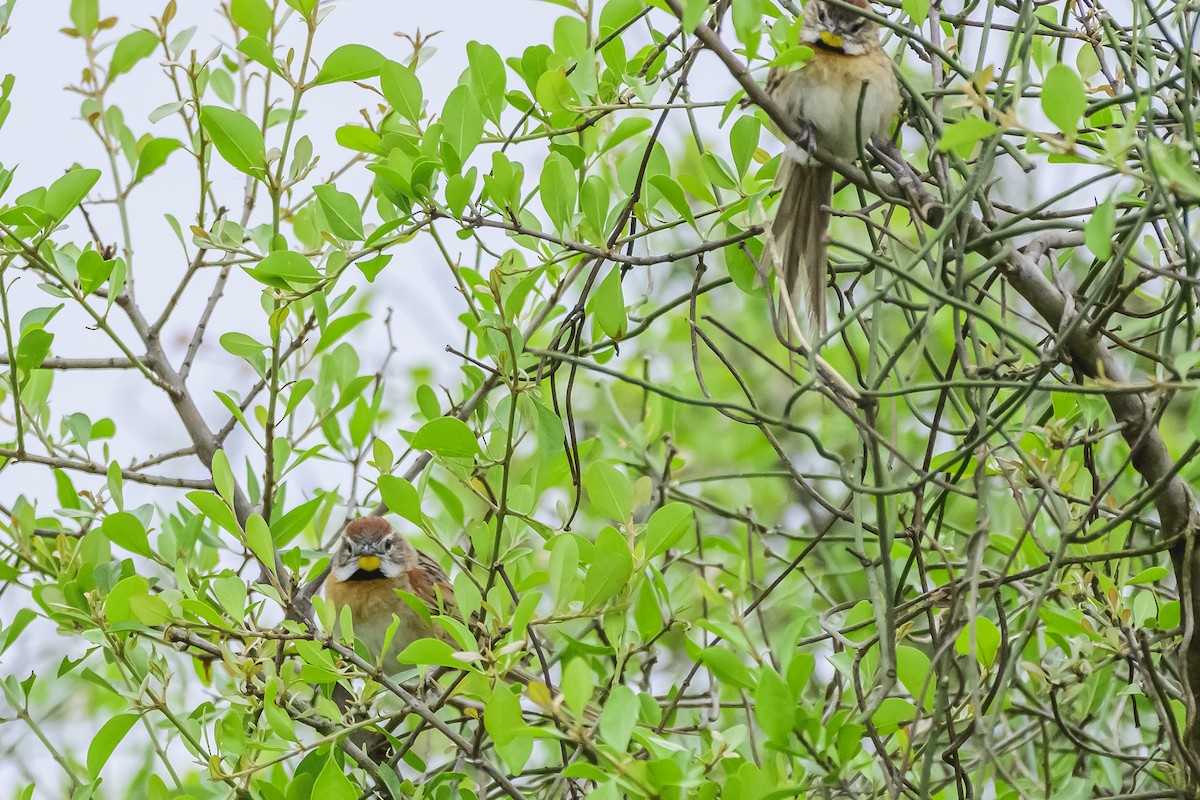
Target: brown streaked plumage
848, 63
373, 562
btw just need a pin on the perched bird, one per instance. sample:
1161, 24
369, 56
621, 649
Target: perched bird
375, 560
844, 95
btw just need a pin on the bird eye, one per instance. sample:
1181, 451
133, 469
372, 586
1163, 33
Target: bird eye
387, 545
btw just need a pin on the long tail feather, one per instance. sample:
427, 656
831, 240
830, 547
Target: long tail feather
801, 223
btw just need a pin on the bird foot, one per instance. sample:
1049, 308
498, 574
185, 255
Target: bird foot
808, 136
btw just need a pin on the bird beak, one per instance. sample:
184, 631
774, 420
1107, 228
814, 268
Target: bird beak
831, 39
368, 563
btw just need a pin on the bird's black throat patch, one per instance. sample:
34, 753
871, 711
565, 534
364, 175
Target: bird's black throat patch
367, 575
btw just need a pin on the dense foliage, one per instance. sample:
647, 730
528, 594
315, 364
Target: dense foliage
942, 551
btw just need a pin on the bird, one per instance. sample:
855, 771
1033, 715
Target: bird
842, 97
373, 563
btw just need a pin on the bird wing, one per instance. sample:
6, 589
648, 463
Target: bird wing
430, 583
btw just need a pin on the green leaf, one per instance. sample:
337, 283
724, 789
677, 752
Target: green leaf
913, 668
402, 89
1174, 166
892, 714
558, 191
115, 482
20, 622
257, 50
430, 652
611, 568
727, 667
285, 269
609, 490
106, 740
962, 136
743, 141
153, 155
350, 62
130, 50
502, 715
373, 266
578, 685
626, 129
340, 327
230, 592
85, 16
117, 606
356, 137
150, 609
243, 346
616, 13
1064, 98
667, 526
345, 219
670, 189
401, 498
987, 640
607, 304
285, 528
918, 11
747, 23
462, 122
554, 92
223, 476
259, 540
216, 510
487, 78
619, 717
278, 720
1098, 231
564, 569
718, 171
332, 783
33, 348
1148, 575
448, 436
305, 7
774, 705
693, 12
68, 191
221, 82
236, 137
252, 16
125, 530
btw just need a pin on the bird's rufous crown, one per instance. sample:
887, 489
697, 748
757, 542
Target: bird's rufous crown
367, 527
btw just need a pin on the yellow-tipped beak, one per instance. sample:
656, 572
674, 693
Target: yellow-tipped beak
831, 39
368, 563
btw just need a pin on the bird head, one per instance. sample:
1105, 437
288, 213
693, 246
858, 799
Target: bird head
833, 27
371, 549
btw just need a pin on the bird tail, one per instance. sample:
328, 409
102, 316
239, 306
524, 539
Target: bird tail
798, 233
